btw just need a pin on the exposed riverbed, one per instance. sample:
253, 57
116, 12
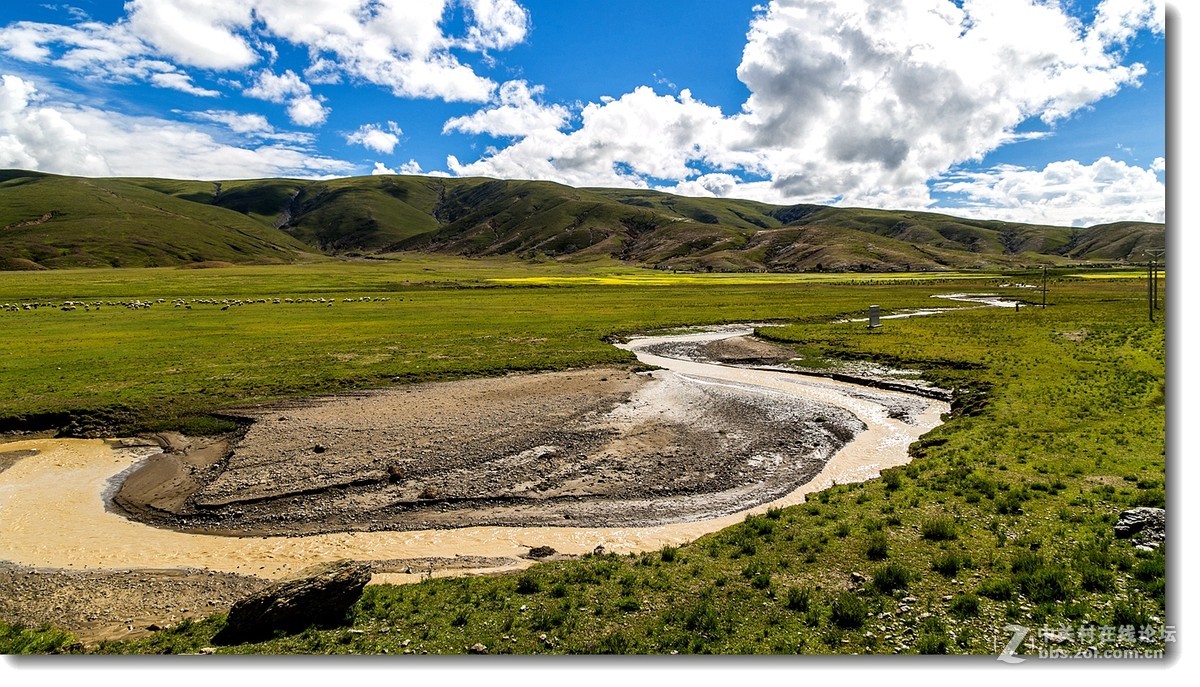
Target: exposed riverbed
471, 476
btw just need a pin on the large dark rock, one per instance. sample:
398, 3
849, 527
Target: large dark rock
1148, 526
321, 595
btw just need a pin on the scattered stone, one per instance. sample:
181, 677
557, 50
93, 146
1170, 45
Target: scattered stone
541, 552
1147, 526
208, 650
321, 595
395, 473
319, 448
478, 648
599, 550
857, 578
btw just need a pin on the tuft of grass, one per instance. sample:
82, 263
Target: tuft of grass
877, 546
949, 564
799, 599
892, 576
940, 528
848, 611
965, 606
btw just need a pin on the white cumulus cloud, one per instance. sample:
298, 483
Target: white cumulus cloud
410, 47
1063, 193
304, 108
64, 138
199, 33
380, 138
516, 114
853, 101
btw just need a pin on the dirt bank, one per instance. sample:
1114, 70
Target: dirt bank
604, 447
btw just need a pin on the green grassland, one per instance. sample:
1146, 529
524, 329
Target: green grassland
125, 370
1004, 515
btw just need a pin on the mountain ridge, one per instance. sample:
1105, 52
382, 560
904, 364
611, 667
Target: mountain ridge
51, 221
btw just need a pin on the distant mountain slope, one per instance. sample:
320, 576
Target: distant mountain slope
60, 222
53, 221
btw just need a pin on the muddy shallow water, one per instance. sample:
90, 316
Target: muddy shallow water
55, 510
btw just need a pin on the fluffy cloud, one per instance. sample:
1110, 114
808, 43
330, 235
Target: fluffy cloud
250, 126
42, 138
403, 45
181, 82
620, 142
1063, 193
381, 139
412, 167
496, 24
199, 33
516, 114
304, 108
87, 141
110, 52
852, 101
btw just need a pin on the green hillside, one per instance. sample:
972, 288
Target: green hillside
61, 222
49, 221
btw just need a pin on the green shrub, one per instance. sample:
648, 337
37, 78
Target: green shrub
1048, 583
877, 546
667, 553
965, 605
951, 563
799, 599
932, 637
1026, 562
940, 528
891, 576
528, 584
1130, 612
1095, 578
997, 589
848, 611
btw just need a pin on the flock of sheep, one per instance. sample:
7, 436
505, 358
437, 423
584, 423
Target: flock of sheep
224, 303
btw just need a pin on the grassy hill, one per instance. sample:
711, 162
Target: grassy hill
49, 221
60, 222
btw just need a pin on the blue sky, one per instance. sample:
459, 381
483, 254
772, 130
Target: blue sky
1029, 110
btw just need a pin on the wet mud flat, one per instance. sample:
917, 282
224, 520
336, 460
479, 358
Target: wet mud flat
596, 448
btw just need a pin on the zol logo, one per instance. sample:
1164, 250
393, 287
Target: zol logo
1008, 655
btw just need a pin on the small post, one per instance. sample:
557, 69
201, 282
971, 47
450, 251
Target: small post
1152, 278
873, 317
1043, 286
1150, 289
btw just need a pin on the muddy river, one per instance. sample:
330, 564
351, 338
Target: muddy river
56, 495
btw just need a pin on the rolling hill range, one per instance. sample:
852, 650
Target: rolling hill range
49, 221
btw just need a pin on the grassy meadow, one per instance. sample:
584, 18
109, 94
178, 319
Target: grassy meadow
165, 366
1004, 515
